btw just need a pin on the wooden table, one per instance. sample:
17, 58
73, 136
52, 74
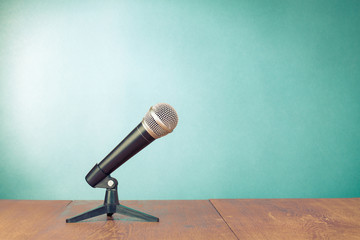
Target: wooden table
187, 219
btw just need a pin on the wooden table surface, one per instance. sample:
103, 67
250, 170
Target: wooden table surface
187, 219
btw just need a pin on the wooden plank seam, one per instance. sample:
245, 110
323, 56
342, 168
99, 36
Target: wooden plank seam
223, 219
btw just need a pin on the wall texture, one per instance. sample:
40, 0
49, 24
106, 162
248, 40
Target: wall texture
267, 92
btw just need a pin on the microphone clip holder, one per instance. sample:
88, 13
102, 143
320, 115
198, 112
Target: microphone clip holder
111, 205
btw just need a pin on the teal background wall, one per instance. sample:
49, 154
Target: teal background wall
267, 93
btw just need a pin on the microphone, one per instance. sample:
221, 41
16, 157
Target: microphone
160, 120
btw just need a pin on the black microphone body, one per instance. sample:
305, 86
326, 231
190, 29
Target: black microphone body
137, 139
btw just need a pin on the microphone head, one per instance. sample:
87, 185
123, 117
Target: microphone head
160, 120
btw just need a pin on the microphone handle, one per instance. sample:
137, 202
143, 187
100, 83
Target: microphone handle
131, 145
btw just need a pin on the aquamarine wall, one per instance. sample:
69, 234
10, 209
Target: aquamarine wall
267, 93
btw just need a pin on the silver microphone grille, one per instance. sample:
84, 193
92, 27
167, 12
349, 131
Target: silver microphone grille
160, 120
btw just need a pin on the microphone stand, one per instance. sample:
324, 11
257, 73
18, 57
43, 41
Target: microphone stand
111, 205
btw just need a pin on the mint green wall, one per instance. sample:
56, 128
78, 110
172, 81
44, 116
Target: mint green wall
267, 92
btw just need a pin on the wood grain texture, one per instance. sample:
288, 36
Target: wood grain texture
179, 219
23, 219
291, 218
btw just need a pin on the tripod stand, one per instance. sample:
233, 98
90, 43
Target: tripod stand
111, 205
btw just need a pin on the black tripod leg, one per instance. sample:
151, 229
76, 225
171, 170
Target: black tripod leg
89, 214
121, 209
